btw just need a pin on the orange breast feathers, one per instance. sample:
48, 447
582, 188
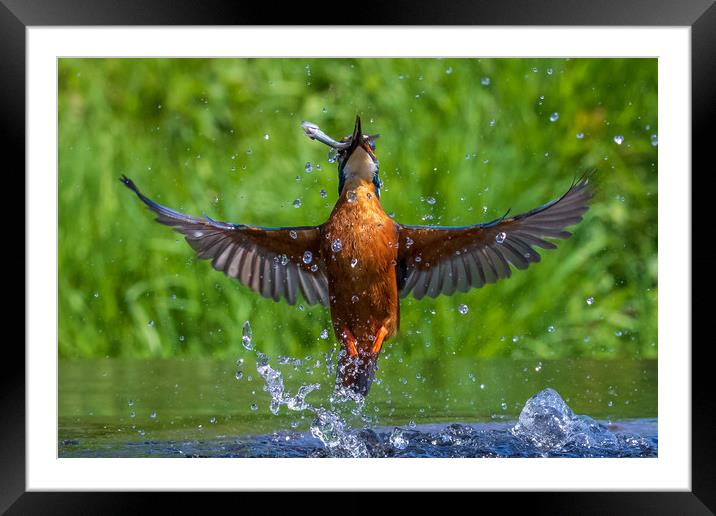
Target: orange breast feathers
359, 246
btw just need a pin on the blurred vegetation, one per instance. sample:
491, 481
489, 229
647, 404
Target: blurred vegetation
222, 136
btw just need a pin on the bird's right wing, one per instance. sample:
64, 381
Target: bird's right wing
274, 262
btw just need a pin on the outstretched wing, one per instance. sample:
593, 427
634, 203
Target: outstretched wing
440, 260
275, 262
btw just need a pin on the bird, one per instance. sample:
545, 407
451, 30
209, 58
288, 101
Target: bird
361, 262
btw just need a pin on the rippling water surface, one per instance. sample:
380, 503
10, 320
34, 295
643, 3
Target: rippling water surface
287, 407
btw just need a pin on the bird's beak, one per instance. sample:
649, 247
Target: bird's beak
357, 133
356, 138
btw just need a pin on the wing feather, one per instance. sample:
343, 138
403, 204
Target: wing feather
458, 258
267, 260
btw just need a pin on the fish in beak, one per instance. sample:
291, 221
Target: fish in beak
347, 145
314, 133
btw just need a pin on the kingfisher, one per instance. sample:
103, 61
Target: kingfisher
360, 262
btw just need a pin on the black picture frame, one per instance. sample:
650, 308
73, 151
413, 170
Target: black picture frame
700, 15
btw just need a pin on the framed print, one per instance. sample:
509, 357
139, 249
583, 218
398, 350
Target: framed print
346, 303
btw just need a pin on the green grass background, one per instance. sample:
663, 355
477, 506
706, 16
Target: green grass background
222, 136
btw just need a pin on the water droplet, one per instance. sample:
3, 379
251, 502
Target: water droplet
430, 200
314, 267
254, 406
500, 237
351, 196
550, 328
463, 309
246, 336
212, 420
266, 136
249, 151
618, 333
503, 405
654, 140
284, 260
354, 299
554, 117
181, 338
550, 71
538, 367
580, 136
307, 257
130, 403
618, 139
408, 242
449, 70
308, 167
336, 245
324, 334
153, 415
590, 300
332, 156
354, 262
293, 234
150, 324
239, 375
297, 203
96, 295
132, 414
485, 81
418, 259
323, 193
492, 122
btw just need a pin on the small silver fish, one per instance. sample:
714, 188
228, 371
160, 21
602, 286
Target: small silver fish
314, 133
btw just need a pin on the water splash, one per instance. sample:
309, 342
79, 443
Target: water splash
330, 425
340, 427
548, 423
273, 384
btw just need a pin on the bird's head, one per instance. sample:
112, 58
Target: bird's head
355, 153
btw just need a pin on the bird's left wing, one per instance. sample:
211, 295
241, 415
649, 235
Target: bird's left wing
440, 260
274, 262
